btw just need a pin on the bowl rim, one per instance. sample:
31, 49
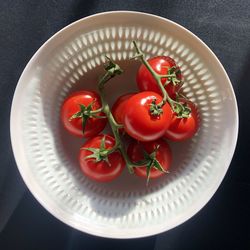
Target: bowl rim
52, 208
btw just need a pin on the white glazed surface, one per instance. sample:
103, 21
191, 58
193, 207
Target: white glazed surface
46, 155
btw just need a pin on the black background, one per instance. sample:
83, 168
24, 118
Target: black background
224, 223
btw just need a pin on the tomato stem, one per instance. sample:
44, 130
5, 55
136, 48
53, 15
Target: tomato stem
141, 56
176, 106
93, 112
112, 70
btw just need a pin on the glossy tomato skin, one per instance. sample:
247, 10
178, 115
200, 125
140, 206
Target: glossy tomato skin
160, 64
118, 107
101, 171
71, 106
139, 123
181, 129
163, 155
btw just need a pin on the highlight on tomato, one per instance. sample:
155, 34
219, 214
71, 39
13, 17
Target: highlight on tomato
118, 107
143, 119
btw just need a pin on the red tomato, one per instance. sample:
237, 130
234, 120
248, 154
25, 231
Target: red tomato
98, 168
163, 156
71, 106
161, 65
139, 122
183, 128
118, 107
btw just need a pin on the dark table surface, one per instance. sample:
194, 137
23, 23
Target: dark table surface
224, 223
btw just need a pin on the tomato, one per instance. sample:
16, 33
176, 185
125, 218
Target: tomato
163, 156
139, 122
162, 65
88, 100
96, 167
118, 107
183, 128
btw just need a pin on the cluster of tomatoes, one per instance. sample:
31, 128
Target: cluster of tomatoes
146, 118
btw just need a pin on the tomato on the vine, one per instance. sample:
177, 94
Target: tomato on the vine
163, 65
75, 114
183, 127
94, 161
157, 155
143, 120
118, 107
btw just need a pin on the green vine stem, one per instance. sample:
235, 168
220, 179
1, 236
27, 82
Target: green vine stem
176, 106
112, 70
141, 56
149, 160
93, 112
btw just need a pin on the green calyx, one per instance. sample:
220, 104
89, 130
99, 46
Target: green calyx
151, 162
154, 109
85, 113
99, 154
182, 110
171, 76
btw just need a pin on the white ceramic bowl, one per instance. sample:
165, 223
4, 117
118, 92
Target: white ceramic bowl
46, 155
